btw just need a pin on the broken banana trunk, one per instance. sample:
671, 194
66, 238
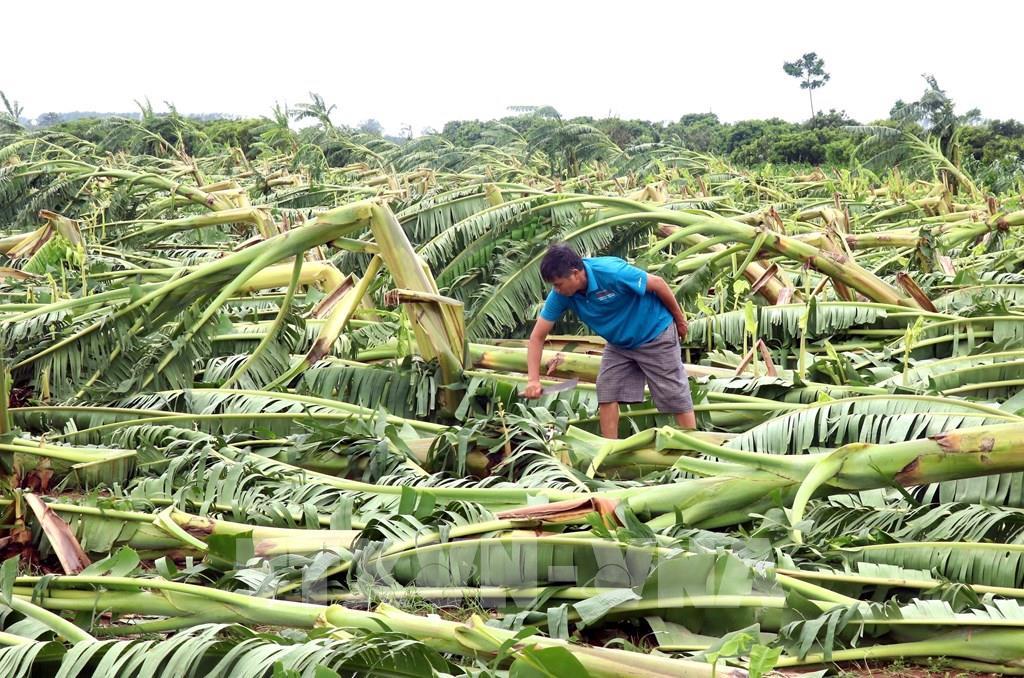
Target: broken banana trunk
737, 484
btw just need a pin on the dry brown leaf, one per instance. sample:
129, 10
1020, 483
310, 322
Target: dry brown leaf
62, 539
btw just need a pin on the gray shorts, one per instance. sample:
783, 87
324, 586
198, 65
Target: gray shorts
659, 362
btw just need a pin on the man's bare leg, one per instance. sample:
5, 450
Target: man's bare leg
687, 420
609, 415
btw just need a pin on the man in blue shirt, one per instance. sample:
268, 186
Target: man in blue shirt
637, 315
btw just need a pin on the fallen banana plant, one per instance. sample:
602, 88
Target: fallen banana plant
280, 387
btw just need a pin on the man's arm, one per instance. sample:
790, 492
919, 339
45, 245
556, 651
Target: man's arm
534, 352
659, 288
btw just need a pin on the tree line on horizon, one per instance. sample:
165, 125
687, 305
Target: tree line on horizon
829, 138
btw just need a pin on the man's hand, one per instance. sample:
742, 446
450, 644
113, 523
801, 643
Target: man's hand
534, 352
533, 389
682, 327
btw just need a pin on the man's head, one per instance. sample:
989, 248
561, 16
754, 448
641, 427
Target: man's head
563, 268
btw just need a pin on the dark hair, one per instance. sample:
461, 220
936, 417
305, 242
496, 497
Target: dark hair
559, 261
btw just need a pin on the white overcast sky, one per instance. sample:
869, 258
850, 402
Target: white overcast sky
427, 62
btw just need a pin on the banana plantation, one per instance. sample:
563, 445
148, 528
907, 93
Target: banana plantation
262, 416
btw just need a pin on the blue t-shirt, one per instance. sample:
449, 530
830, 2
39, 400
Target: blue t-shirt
615, 305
